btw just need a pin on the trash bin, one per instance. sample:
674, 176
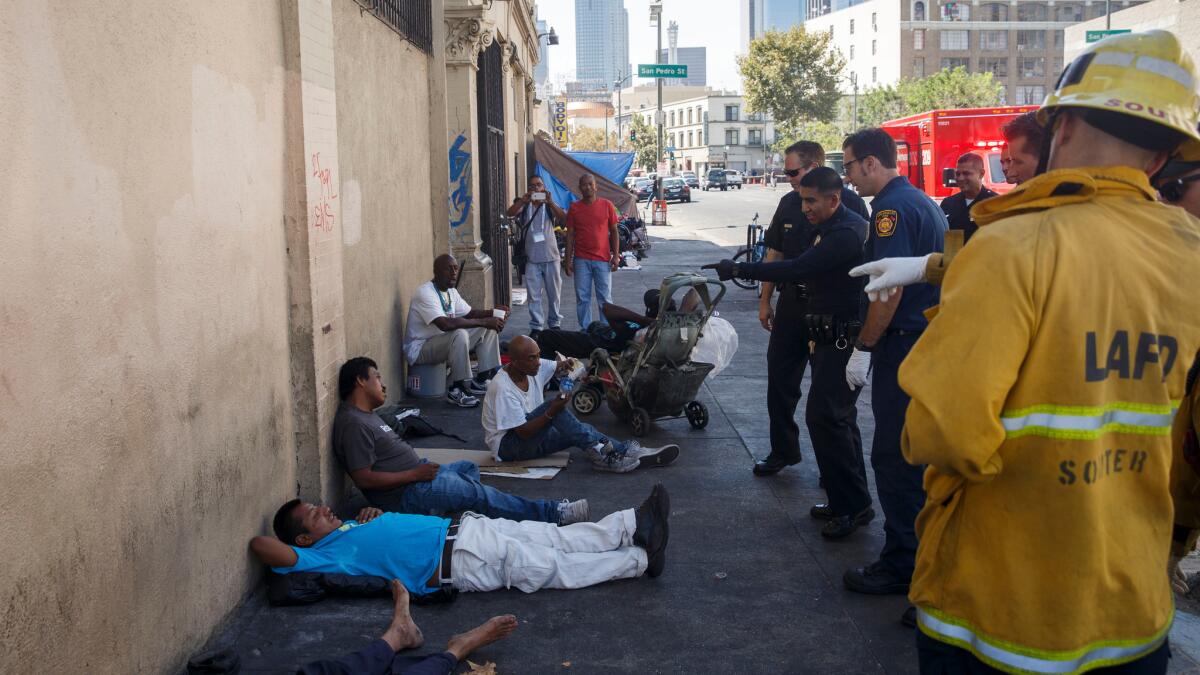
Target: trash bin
427, 381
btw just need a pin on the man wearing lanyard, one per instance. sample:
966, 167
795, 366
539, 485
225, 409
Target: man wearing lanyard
537, 213
904, 222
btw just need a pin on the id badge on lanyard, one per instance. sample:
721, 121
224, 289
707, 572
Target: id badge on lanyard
539, 232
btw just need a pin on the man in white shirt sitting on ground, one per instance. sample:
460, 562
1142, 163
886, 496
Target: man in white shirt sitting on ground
519, 424
442, 328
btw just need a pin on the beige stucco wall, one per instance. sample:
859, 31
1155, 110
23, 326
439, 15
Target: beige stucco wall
384, 148
144, 395
1181, 17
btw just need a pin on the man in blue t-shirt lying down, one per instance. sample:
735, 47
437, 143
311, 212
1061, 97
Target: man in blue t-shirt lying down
427, 553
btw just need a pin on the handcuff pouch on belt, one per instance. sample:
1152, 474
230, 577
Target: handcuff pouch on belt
792, 289
827, 329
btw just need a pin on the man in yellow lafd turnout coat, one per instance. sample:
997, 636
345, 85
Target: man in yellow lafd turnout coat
1043, 389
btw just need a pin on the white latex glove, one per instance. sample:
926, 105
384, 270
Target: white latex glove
857, 369
889, 274
1178, 581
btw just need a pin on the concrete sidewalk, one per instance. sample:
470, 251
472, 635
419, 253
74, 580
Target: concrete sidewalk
750, 585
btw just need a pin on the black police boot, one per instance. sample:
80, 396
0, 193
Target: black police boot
840, 527
771, 466
822, 511
909, 618
875, 579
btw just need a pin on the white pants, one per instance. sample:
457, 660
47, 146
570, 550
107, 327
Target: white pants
493, 553
454, 348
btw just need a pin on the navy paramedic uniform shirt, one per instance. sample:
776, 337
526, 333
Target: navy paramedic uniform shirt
906, 223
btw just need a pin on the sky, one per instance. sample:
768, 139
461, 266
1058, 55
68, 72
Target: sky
702, 23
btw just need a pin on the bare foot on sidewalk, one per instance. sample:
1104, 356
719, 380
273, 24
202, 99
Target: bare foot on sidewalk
495, 628
403, 633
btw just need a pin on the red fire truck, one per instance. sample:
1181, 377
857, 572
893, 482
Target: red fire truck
929, 145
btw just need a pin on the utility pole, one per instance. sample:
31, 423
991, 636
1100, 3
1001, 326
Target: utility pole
1107, 14
619, 84
656, 20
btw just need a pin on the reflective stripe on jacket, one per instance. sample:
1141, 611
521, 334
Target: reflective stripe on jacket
1042, 400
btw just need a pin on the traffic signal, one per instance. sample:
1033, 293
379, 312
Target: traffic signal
633, 135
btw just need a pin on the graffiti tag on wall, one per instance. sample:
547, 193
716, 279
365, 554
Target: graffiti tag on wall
323, 210
460, 183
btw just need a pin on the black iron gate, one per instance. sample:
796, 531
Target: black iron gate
489, 90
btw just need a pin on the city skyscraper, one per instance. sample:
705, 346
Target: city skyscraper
760, 16
601, 43
695, 58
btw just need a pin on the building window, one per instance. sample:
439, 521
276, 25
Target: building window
918, 11
1031, 11
699, 138
1031, 41
955, 40
874, 21
919, 39
874, 74
732, 137
851, 52
993, 40
691, 138
755, 137
918, 66
831, 31
1073, 13
689, 115
412, 19
731, 113
1057, 66
672, 119
852, 26
873, 47
994, 11
670, 140
956, 62
996, 65
1029, 67
1096, 10
1058, 39
956, 11
1030, 94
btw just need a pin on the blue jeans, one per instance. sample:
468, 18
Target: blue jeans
457, 488
378, 658
543, 277
589, 273
564, 431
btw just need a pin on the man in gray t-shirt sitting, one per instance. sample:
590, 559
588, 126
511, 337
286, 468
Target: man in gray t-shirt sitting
394, 478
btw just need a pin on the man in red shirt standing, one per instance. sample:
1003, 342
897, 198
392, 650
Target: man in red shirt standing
593, 249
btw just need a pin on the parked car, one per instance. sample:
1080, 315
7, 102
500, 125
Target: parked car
716, 179
642, 189
677, 189
733, 178
689, 177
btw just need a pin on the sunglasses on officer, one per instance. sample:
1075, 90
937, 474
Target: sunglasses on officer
1173, 190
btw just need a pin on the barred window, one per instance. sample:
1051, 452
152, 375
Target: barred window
1031, 41
412, 19
994, 11
732, 137
919, 39
993, 40
955, 62
1032, 67
918, 67
1071, 13
997, 66
1032, 11
1030, 94
955, 39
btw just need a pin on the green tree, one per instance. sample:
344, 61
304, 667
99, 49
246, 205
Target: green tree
792, 76
828, 134
588, 139
643, 139
947, 88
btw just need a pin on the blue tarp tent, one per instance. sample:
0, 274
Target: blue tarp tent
561, 170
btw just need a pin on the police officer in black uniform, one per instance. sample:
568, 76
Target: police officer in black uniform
832, 321
789, 235
905, 223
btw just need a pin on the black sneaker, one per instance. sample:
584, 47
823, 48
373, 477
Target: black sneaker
840, 527
653, 529
822, 511
875, 579
533, 334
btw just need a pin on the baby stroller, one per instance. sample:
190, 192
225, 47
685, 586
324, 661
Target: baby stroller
632, 236
656, 379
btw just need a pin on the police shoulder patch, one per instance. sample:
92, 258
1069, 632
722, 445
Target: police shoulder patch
885, 223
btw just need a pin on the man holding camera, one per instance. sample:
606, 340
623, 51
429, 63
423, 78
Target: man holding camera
536, 213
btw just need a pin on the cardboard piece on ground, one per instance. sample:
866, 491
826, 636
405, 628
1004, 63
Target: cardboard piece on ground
530, 473
484, 458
